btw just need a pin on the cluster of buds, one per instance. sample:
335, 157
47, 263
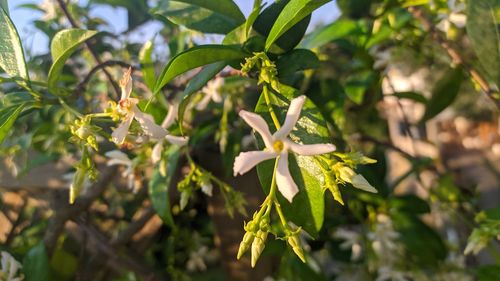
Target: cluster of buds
267, 69
196, 178
255, 237
113, 111
84, 132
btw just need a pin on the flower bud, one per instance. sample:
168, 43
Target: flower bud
248, 238
258, 245
296, 247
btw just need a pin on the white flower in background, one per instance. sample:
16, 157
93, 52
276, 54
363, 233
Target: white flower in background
117, 157
381, 56
357, 180
455, 17
384, 238
10, 268
278, 145
127, 106
50, 9
173, 110
352, 242
196, 260
386, 273
211, 93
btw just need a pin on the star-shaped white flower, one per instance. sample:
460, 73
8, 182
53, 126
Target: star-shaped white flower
173, 110
278, 145
211, 91
117, 157
127, 106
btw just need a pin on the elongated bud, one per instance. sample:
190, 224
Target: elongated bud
296, 247
258, 245
77, 185
245, 244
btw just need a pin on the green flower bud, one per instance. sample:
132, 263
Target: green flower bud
248, 238
296, 246
77, 185
258, 245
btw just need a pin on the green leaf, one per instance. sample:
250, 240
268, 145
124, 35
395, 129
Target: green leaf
36, 264
11, 50
195, 84
482, 28
8, 116
293, 12
17, 98
63, 45
266, 20
411, 96
296, 60
337, 30
357, 85
410, 204
423, 244
488, 273
5, 6
147, 64
444, 93
196, 57
307, 208
201, 15
159, 185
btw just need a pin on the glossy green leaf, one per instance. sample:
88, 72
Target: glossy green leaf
422, 243
266, 20
293, 12
5, 6
159, 185
204, 16
444, 93
337, 30
196, 57
36, 264
296, 60
62, 47
8, 116
11, 50
307, 208
411, 96
17, 98
147, 64
488, 273
252, 17
483, 30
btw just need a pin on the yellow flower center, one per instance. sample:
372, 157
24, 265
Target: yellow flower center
278, 146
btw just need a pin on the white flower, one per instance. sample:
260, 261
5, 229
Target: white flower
127, 106
357, 180
278, 145
10, 267
386, 273
211, 91
384, 238
196, 260
352, 242
455, 17
173, 110
50, 10
119, 158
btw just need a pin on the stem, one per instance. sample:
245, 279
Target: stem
272, 196
276, 122
70, 109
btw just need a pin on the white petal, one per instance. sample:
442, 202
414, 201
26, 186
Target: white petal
156, 153
310, 149
247, 160
173, 110
284, 179
207, 189
258, 124
216, 97
292, 116
180, 141
126, 84
119, 134
203, 103
358, 181
149, 126
117, 158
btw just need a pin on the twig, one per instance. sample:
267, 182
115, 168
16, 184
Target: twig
73, 23
16, 223
127, 234
454, 54
63, 211
83, 84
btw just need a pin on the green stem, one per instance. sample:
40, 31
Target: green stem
276, 122
272, 196
70, 109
